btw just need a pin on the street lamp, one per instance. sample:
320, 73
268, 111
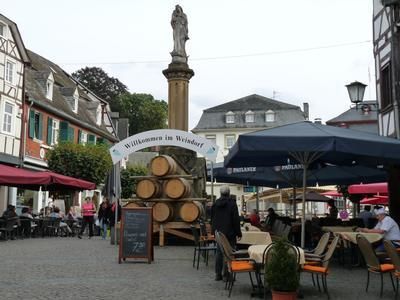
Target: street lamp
356, 92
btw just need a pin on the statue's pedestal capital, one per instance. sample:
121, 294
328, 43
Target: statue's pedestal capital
178, 70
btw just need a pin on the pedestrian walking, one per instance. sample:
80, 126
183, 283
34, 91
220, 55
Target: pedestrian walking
103, 216
225, 219
88, 211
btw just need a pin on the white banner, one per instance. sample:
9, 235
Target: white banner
164, 137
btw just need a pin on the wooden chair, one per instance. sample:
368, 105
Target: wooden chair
372, 262
318, 251
200, 247
323, 267
394, 257
234, 265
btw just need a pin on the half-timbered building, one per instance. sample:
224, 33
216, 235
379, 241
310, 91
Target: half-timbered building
13, 59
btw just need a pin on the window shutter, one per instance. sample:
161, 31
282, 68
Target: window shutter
79, 136
31, 124
71, 134
49, 130
63, 131
40, 133
91, 139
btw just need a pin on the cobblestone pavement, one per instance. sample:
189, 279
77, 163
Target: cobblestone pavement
69, 268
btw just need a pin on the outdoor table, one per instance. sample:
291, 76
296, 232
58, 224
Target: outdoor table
352, 236
335, 229
255, 238
256, 252
249, 227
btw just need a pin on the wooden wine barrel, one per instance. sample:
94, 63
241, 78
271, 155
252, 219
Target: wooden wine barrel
177, 188
191, 211
148, 188
163, 212
134, 204
163, 165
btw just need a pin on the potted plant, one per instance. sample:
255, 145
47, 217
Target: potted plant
282, 270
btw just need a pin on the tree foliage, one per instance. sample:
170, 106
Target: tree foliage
144, 112
128, 184
104, 86
88, 162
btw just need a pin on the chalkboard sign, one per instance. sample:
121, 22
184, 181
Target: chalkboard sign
136, 234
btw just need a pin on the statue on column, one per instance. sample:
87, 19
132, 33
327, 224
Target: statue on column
179, 25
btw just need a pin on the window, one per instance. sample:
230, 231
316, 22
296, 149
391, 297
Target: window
49, 87
386, 87
83, 137
54, 131
10, 70
230, 117
269, 116
98, 115
8, 117
229, 140
35, 124
249, 117
212, 138
2, 30
76, 99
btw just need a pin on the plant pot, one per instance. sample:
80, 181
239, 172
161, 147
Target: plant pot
276, 295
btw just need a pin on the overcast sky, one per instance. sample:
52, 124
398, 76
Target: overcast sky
295, 50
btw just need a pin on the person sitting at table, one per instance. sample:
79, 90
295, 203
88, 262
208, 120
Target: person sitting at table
254, 218
25, 213
386, 226
333, 211
365, 215
10, 214
56, 214
270, 218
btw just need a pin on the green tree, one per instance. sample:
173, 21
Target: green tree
128, 184
104, 86
144, 112
88, 162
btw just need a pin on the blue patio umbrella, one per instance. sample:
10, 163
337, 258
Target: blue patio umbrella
309, 143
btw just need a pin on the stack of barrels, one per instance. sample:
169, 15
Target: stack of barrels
170, 190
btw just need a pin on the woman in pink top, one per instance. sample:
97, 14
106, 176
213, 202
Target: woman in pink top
88, 211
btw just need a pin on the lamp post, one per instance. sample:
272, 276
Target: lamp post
356, 92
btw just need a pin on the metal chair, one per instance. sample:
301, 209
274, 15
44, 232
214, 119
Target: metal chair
319, 250
372, 262
200, 247
8, 228
323, 267
234, 265
394, 257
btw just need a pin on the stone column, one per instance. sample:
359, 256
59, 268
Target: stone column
178, 75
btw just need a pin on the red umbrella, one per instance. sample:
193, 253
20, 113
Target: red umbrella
376, 200
370, 188
332, 194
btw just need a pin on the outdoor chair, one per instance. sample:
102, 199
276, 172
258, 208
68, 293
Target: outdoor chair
8, 229
234, 265
51, 227
200, 247
323, 268
319, 250
25, 228
372, 262
394, 257
205, 236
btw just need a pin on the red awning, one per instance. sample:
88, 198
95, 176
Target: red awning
70, 182
12, 176
376, 200
370, 188
17, 177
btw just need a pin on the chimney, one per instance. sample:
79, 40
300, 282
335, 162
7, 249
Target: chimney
318, 121
306, 110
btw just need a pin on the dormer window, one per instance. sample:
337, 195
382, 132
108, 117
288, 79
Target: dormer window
49, 87
3, 30
270, 116
229, 117
98, 115
249, 117
76, 99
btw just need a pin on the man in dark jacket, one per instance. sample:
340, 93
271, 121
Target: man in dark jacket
225, 219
